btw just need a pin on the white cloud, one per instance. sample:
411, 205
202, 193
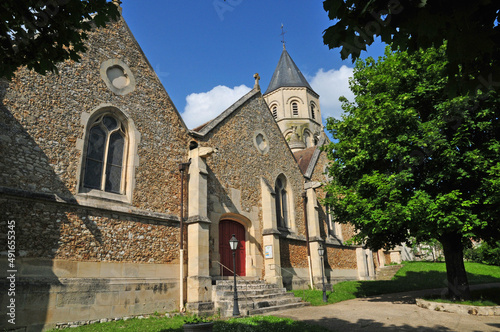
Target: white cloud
330, 85
205, 106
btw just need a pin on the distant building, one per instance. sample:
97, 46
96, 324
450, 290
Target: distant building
90, 174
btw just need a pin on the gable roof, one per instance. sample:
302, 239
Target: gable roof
304, 157
287, 74
205, 128
308, 158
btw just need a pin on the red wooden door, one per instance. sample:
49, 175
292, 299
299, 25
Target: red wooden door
226, 230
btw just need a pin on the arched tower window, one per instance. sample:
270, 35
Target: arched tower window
105, 155
307, 139
295, 108
313, 115
281, 202
275, 111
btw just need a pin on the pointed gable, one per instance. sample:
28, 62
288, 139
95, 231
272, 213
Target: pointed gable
287, 74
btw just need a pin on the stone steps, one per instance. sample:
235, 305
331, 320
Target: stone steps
254, 297
387, 272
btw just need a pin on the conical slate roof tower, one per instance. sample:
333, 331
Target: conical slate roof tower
294, 104
287, 74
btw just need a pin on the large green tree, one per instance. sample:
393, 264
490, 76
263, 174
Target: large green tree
40, 33
470, 27
411, 163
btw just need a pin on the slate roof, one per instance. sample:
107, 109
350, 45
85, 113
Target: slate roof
287, 74
308, 158
304, 157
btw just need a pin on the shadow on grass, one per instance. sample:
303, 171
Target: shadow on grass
412, 281
259, 323
335, 324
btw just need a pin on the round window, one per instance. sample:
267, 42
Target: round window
261, 142
117, 76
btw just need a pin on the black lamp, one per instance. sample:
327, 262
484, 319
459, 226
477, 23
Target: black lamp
233, 243
321, 252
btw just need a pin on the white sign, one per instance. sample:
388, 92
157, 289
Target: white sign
268, 251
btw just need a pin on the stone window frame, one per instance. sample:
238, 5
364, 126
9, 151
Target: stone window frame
334, 228
130, 157
262, 148
289, 223
274, 111
308, 138
112, 63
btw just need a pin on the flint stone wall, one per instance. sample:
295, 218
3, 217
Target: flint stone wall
238, 166
58, 235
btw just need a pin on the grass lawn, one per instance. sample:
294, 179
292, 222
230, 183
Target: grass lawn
412, 276
165, 324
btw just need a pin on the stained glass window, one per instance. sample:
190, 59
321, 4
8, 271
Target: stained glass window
105, 155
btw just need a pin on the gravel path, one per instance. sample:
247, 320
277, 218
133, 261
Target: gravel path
390, 312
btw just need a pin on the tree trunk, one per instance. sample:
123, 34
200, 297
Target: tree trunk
458, 285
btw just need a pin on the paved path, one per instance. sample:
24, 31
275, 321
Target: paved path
391, 312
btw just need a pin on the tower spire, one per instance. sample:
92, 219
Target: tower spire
283, 36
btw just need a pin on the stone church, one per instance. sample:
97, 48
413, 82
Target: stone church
118, 209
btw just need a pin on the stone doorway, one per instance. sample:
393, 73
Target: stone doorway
226, 230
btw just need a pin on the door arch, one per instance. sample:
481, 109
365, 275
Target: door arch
226, 230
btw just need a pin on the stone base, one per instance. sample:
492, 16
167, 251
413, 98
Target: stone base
200, 308
277, 280
42, 303
318, 285
199, 289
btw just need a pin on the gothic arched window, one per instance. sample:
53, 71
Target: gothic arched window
281, 202
105, 155
295, 108
313, 115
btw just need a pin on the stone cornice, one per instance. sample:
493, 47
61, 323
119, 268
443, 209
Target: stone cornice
270, 231
198, 219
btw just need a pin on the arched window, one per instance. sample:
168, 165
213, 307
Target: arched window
307, 139
275, 111
105, 155
295, 108
329, 221
281, 202
313, 115
334, 228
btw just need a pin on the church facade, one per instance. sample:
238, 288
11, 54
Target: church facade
100, 179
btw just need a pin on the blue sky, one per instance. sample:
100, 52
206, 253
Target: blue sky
205, 52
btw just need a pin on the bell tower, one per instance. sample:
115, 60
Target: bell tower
294, 105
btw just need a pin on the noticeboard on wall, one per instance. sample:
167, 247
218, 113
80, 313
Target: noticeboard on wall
268, 251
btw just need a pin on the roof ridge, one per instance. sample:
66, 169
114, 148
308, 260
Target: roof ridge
207, 127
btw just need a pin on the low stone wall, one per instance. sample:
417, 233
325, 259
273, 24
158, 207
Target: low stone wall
298, 278
92, 291
459, 308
